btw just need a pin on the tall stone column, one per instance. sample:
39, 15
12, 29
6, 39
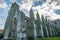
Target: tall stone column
50, 31
43, 29
33, 26
47, 27
38, 22
53, 31
35, 32
42, 33
47, 31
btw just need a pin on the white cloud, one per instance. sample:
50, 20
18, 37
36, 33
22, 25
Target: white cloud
1, 27
36, 0
2, 22
48, 0
3, 5
46, 9
26, 4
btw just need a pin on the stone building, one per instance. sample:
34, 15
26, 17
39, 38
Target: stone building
1, 33
20, 27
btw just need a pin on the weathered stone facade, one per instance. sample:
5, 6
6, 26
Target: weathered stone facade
20, 27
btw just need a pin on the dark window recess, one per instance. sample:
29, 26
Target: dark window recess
55, 22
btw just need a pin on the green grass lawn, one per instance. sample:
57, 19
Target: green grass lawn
51, 38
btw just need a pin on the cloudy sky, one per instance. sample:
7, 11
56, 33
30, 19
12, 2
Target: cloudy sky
48, 8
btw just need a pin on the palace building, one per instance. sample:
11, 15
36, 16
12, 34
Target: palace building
20, 27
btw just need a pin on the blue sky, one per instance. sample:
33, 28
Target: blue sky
57, 11
41, 6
